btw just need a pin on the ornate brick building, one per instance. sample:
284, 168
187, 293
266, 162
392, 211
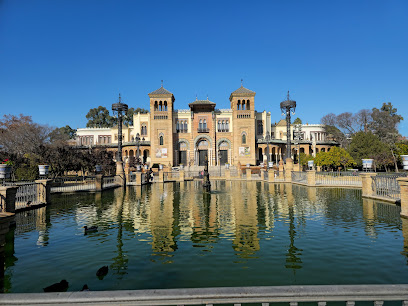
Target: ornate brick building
238, 134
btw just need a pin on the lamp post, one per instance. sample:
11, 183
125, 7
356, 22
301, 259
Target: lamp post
219, 159
137, 138
119, 109
268, 140
287, 107
298, 138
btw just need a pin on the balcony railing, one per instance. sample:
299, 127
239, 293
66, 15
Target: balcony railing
182, 131
203, 130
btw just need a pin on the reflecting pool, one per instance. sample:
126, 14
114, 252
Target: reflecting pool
174, 236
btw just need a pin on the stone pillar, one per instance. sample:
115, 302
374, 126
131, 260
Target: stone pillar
44, 190
227, 174
248, 174
120, 174
281, 168
262, 174
181, 177
288, 170
161, 177
366, 182
99, 182
403, 182
311, 177
8, 198
271, 175
138, 178
319, 168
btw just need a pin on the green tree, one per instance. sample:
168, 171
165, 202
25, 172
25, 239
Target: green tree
62, 134
385, 126
99, 118
335, 158
365, 145
297, 121
304, 158
128, 118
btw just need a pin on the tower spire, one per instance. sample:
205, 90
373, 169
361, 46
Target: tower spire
120, 98
161, 83
242, 80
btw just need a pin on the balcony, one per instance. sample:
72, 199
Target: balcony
182, 131
203, 130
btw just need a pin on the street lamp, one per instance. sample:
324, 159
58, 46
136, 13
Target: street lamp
268, 141
219, 159
119, 109
137, 138
287, 107
298, 137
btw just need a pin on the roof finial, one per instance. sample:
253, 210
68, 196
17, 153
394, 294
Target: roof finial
242, 80
161, 83
207, 97
196, 97
288, 95
120, 99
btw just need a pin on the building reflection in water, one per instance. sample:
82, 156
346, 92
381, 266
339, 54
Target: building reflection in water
242, 215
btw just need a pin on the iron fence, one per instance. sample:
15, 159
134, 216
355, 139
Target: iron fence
386, 185
338, 178
29, 194
108, 182
299, 177
75, 183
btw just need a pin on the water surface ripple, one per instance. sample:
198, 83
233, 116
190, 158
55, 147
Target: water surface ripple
174, 236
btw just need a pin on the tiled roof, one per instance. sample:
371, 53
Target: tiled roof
243, 90
199, 102
161, 91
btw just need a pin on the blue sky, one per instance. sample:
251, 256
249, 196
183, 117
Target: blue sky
60, 58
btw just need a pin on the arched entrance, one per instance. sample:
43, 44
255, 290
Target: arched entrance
182, 158
260, 155
202, 149
145, 155
223, 152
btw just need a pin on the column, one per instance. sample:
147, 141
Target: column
288, 170
366, 182
8, 198
248, 174
271, 175
311, 177
181, 176
227, 174
43, 190
403, 182
99, 182
139, 178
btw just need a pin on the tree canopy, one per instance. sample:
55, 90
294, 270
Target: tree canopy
335, 158
100, 117
297, 121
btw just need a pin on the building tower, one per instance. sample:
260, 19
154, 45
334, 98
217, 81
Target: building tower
161, 122
243, 126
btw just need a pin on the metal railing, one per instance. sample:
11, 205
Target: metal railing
338, 178
386, 185
350, 294
29, 194
266, 175
299, 177
108, 181
191, 174
75, 183
233, 172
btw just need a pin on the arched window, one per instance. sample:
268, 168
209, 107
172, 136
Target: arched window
243, 138
247, 106
155, 106
165, 106
223, 125
227, 126
219, 125
238, 104
185, 126
200, 124
205, 124
161, 140
160, 106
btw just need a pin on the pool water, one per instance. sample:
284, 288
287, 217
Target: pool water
241, 234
